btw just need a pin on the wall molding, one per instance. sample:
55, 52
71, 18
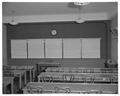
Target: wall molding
56, 18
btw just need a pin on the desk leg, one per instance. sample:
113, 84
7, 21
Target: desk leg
33, 74
20, 81
25, 77
4, 89
30, 76
38, 79
12, 86
37, 68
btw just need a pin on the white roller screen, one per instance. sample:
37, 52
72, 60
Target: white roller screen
18, 48
53, 48
91, 48
35, 48
72, 48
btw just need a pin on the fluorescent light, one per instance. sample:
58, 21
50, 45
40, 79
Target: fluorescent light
81, 3
79, 20
13, 22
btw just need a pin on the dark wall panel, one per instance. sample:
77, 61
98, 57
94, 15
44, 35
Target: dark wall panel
91, 29
65, 30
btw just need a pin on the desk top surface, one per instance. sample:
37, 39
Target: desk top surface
74, 86
80, 69
64, 84
48, 63
18, 71
76, 74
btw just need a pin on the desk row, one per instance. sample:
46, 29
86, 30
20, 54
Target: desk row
38, 88
16, 79
65, 77
81, 70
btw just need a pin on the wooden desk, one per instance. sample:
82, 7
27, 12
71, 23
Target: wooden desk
7, 81
74, 87
20, 73
32, 70
89, 77
48, 64
45, 65
81, 70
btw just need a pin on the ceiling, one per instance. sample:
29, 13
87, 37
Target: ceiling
25, 12
39, 8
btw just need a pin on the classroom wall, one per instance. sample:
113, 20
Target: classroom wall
114, 39
114, 22
91, 29
4, 45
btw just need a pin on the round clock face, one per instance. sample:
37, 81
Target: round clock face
54, 32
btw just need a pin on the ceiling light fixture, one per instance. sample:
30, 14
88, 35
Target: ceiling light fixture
13, 22
80, 4
79, 19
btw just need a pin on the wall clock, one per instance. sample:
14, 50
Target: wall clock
53, 32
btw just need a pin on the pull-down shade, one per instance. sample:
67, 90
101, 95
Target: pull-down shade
91, 48
53, 48
35, 48
18, 48
71, 48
